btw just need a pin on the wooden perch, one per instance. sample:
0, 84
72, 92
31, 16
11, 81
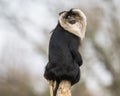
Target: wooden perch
63, 90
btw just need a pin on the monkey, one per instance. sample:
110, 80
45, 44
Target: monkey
64, 56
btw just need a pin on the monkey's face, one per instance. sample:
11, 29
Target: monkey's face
73, 21
72, 16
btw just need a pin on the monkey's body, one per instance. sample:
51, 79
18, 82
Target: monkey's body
64, 58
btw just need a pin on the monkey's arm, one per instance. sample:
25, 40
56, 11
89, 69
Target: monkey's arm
76, 55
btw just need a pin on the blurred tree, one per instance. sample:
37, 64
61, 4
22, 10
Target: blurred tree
16, 83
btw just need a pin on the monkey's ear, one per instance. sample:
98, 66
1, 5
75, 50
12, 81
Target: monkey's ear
62, 12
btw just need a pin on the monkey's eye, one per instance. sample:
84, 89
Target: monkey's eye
73, 14
69, 16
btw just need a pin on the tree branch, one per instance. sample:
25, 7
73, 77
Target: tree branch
63, 90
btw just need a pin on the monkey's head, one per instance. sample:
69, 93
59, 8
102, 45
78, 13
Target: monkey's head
74, 21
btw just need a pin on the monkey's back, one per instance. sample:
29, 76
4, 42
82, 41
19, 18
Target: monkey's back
61, 65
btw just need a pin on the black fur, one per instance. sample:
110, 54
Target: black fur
64, 58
